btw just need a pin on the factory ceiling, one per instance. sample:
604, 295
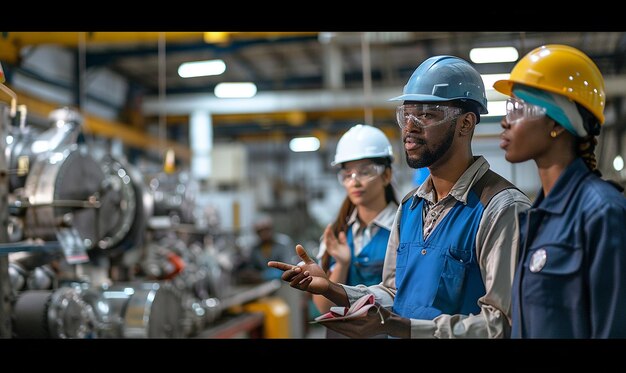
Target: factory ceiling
294, 65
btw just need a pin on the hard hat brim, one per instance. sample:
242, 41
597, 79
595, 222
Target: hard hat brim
337, 162
430, 98
504, 86
419, 97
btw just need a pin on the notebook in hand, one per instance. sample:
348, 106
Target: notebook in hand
358, 309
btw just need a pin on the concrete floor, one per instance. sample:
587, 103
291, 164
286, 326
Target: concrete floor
316, 332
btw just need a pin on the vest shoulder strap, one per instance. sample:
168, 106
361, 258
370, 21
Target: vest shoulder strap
489, 185
409, 195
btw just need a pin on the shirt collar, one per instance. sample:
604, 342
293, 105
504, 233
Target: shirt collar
563, 190
463, 185
384, 218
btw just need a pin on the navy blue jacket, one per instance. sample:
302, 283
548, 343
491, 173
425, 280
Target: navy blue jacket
571, 277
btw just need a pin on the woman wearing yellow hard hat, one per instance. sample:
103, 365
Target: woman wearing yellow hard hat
571, 276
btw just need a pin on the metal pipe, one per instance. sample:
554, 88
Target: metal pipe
162, 86
22, 110
367, 80
309, 101
9, 92
280, 101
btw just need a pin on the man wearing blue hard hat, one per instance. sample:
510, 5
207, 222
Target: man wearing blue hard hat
451, 255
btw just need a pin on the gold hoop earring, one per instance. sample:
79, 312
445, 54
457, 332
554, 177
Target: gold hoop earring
553, 134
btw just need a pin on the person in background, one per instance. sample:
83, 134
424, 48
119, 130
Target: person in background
270, 245
452, 252
571, 278
352, 249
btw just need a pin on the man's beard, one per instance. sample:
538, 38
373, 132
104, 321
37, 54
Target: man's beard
431, 156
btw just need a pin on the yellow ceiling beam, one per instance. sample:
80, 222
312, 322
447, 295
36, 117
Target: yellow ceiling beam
8, 51
384, 118
129, 136
393, 132
294, 118
21, 39
12, 42
108, 129
378, 112
257, 137
217, 37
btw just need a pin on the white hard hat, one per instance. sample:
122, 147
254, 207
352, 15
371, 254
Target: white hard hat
361, 142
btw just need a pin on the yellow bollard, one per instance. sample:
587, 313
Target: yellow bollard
276, 316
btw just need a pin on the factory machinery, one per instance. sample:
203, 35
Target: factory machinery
94, 249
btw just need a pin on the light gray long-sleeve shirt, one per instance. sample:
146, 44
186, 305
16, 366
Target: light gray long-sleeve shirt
496, 250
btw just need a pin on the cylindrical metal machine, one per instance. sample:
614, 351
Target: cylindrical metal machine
143, 310
174, 196
62, 193
96, 206
24, 144
124, 205
61, 313
5, 280
66, 189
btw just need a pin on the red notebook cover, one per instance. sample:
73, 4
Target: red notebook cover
358, 309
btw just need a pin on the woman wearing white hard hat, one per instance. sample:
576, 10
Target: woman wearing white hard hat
353, 248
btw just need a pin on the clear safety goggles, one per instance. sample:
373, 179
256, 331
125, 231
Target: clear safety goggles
425, 115
363, 174
518, 109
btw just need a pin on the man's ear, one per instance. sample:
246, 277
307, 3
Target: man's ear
468, 122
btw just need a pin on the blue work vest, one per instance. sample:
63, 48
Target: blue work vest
439, 275
367, 267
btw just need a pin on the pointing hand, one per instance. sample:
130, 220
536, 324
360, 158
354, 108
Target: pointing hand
306, 275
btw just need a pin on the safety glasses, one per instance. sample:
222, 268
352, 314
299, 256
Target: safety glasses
518, 109
425, 115
363, 174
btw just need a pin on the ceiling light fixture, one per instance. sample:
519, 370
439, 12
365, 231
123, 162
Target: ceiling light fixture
491, 55
201, 68
235, 90
489, 79
495, 108
304, 144
618, 163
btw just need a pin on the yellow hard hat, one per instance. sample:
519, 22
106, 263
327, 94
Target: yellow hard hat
563, 70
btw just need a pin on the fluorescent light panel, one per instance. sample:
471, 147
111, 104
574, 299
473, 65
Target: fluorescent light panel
618, 163
201, 68
495, 108
491, 55
304, 144
489, 79
235, 90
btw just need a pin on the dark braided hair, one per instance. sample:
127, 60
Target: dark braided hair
586, 146
586, 150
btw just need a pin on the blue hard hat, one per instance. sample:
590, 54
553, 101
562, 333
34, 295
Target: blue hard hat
445, 78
